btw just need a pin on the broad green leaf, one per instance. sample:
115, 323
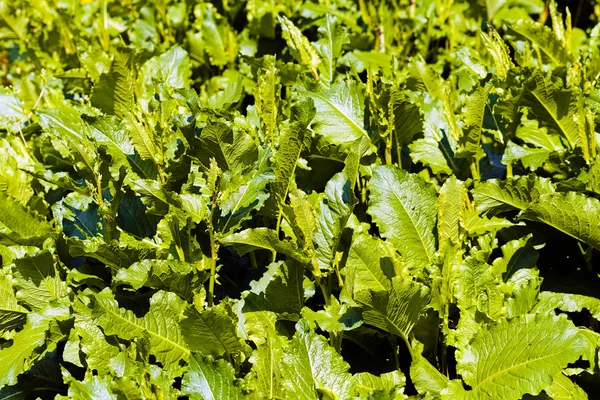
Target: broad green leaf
523, 287
115, 256
249, 195
594, 176
303, 218
209, 379
19, 225
279, 290
544, 39
212, 331
470, 141
368, 267
516, 255
291, 144
451, 212
406, 116
334, 210
510, 194
426, 378
389, 383
267, 95
333, 37
70, 134
91, 388
311, 368
516, 357
233, 148
160, 323
299, 46
564, 388
38, 283
567, 302
340, 112
172, 67
572, 213
404, 208
262, 238
113, 93
395, 311
25, 349
427, 151
218, 39
335, 317
265, 376
531, 158
12, 314
557, 108
158, 274
478, 225
476, 289
498, 51
110, 133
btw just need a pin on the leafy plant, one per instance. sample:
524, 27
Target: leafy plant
299, 199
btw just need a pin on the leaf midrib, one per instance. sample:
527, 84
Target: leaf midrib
339, 111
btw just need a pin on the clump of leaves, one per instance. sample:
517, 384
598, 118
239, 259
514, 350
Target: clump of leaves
311, 200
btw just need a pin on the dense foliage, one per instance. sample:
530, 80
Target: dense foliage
330, 199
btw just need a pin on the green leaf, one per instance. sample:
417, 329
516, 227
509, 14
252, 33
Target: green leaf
70, 136
209, 379
404, 208
407, 117
141, 136
212, 331
158, 274
451, 213
299, 46
572, 213
262, 238
395, 311
544, 39
291, 144
470, 141
530, 157
516, 357
340, 112
248, 196
368, 267
516, 255
267, 97
160, 323
218, 39
114, 94
335, 318
557, 108
172, 67
279, 290
265, 376
12, 314
92, 388
334, 210
233, 148
25, 349
564, 388
333, 37
513, 193
19, 225
311, 366
567, 302
389, 383
426, 378
498, 51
